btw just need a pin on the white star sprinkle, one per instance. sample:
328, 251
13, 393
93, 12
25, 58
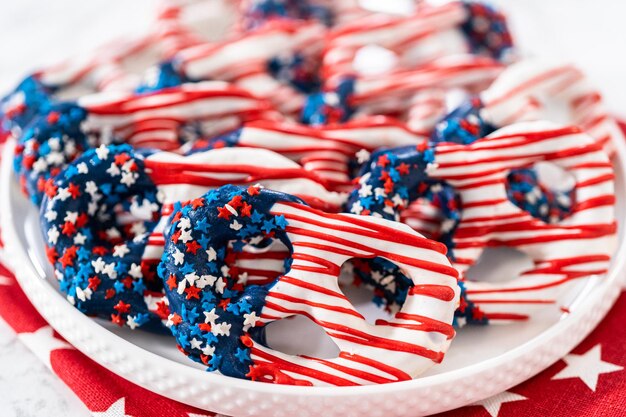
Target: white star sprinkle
91, 187
63, 194
80, 239
250, 319
185, 236
179, 257
131, 322
184, 223
220, 285
195, 343
53, 235
102, 152
50, 215
120, 250
109, 270
235, 225
192, 278
362, 156
135, 271
221, 329
365, 190
82, 168
128, 178
113, 170
71, 216
357, 208
98, 265
210, 317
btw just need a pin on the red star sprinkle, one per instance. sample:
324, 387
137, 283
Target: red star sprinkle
74, 190
162, 310
176, 319
52, 254
403, 168
205, 327
100, 250
252, 190
53, 117
193, 247
118, 319
82, 220
171, 282
245, 209
120, 159
110, 293
192, 292
176, 235
122, 307
383, 160
128, 282
68, 229
94, 283
224, 213
198, 202
235, 202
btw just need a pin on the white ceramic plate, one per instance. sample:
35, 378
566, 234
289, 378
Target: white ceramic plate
481, 362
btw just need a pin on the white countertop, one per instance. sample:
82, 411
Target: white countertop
36, 32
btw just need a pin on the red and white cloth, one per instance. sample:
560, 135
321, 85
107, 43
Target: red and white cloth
590, 381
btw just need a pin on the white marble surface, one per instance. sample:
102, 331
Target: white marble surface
37, 32
27, 387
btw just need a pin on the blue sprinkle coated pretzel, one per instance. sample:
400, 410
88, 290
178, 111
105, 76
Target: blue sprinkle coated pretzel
212, 311
387, 185
465, 125
96, 258
165, 75
486, 31
263, 10
28, 100
329, 107
47, 145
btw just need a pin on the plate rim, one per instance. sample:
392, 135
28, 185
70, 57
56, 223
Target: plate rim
586, 317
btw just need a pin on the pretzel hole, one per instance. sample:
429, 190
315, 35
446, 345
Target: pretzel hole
373, 59
499, 264
131, 217
373, 287
298, 335
436, 215
257, 260
398, 7
545, 190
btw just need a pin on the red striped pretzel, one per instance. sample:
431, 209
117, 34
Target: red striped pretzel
432, 32
537, 89
398, 349
243, 59
577, 247
392, 92
184, 178
327, 150
154, 120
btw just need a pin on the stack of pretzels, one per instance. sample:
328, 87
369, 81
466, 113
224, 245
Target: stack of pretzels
211, 187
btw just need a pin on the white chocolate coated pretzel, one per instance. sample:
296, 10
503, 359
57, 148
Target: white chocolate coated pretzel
536, 89
576, 248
